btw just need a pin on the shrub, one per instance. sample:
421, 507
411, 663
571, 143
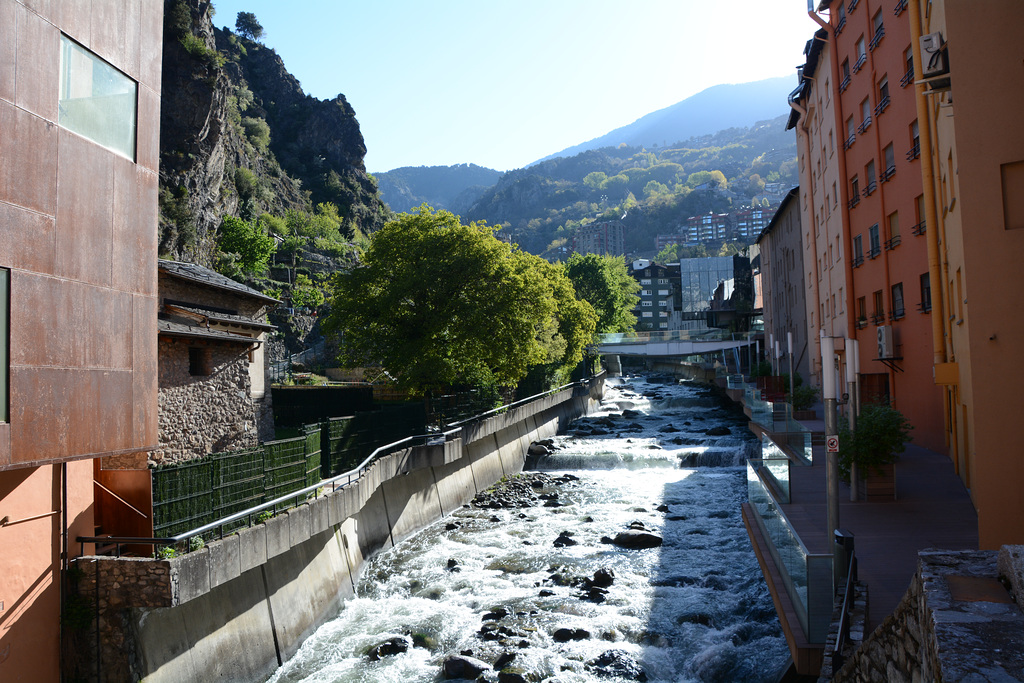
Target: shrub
881, 435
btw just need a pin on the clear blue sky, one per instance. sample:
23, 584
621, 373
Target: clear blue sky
501, 83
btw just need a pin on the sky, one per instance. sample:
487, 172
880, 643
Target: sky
502, 83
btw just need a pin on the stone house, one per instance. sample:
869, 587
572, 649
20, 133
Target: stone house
212, 392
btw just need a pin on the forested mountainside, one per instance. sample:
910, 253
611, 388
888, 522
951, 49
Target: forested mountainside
240, 138
454, 188
655, 189
257, 179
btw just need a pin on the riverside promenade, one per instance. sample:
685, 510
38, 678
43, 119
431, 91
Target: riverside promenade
932, 509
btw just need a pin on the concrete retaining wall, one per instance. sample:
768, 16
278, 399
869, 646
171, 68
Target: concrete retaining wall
238, 608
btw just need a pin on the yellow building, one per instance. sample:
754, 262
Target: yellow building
972, 97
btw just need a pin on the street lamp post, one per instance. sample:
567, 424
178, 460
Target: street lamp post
828, 394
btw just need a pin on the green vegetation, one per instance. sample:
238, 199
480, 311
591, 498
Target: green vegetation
650, 191
246, 246
881, 435
246, 25
440, 304
605, 283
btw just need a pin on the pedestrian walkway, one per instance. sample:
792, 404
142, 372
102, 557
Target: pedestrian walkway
932, 510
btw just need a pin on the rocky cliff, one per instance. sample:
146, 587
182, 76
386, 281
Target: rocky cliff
239, 137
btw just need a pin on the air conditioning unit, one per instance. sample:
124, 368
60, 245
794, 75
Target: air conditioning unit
934, 57
885, 347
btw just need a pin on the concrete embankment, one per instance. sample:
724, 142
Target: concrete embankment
241, 606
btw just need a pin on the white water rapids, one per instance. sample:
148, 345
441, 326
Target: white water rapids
694, 609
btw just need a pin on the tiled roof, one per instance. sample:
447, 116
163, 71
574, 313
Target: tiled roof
226, 318
196, 273
177, 329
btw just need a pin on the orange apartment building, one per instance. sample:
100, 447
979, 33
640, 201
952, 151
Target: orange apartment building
973, 156
79, 138
868, 227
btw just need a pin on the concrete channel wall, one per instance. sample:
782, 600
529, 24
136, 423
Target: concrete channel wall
241, 606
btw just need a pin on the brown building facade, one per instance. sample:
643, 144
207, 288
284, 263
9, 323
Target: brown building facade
973, 156
79, 118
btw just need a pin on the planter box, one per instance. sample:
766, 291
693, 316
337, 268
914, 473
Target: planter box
878, 487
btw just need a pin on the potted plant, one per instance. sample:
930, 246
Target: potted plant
803, 399
867, 454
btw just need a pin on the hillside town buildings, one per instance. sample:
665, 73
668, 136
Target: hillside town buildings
79, 137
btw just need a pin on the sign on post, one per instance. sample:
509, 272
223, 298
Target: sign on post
832, 444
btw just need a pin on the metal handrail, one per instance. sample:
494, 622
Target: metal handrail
219, 524
844, 616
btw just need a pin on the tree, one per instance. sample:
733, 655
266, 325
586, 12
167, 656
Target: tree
251, 246
604, 282
441, 304
247, 26
305, 293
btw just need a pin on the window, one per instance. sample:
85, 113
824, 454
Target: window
893, 228
96, 100
920, 227
915, 142
865, 114
854, 192
645, 281
869, 174
663, 303
862, 55
889, 154
877, 29
835, 196
845, 82
908, 75
662, 280
646, 292
926, 293
662, 314
662, 326
858, 250
663, 292
897, 301
648, 314
879, 313
883, 96
862, 308
199, 361
831, 144
646, 303
873, 242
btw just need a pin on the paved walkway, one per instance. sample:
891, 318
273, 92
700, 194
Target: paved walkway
932, 510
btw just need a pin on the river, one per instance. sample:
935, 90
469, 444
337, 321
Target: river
490, 582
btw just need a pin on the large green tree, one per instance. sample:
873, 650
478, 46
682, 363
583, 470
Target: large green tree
605, 283
438, 303
246, 245
246, 24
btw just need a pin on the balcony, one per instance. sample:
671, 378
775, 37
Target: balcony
854, 201
925, 306
892, 243
848, 143
882, 105
862, 322
897, 313
844, 84
865, 124
908, 78
857, 261
874, 251
852, 6
861, 60
888, 173
878, 318
914, 152
919, 229
840, 26
870, 188
901, 7
877, 38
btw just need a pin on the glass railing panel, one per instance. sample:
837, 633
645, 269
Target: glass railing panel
807, 577
776, 465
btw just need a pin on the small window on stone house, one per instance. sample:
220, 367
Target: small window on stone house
199, 364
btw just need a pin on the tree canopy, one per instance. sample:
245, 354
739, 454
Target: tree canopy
438, 304
248, 243
246, 25
604, 282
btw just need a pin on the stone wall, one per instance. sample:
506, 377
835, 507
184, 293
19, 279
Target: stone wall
956, 622
205, 414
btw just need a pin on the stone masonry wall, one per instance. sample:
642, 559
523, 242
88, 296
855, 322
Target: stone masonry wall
955, 623
204, 414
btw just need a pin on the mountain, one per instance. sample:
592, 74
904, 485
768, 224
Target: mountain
651, 191
716, 108
454, 188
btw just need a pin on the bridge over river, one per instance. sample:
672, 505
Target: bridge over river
672, 342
